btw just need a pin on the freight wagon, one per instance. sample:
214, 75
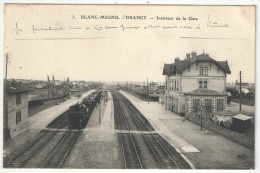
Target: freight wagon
80, 112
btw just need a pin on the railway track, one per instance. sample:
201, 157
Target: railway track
148, 149
130, 155
49, 150
60, 122
168, 152
57, 157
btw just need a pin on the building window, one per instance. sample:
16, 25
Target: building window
205, 84
208, 105
177, 85
205, 72
201, 70
170, 84
18, 98
220, 105
18, 117
196, 105
200, 84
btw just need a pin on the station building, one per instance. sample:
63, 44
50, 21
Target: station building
73, 93
196, 82
15, 108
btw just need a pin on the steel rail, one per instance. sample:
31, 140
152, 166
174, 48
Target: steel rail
154, 136
121, 140
131, 137
159, 142
138, 158
68, 150
34, 142
55, 149
166, 152
146, 140
136, 153
38, 149
58, 120
138, 112
175, 154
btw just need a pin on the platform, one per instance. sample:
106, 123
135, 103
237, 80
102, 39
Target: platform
215, 151
98, 139
154, 114
36, 123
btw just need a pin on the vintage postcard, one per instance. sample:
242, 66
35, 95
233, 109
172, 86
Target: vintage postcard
129, 86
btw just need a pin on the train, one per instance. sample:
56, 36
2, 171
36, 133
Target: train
80, 112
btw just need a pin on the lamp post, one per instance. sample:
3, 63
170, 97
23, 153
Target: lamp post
240, 92
201, 113
99, 107
147, 91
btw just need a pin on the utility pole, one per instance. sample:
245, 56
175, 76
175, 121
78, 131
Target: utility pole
6, 135
7, 58
99, 112
48, 86
201, 113
54, 87
147, 91
240, 91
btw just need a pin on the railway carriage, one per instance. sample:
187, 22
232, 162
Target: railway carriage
80, 112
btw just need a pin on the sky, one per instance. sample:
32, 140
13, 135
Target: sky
96, 54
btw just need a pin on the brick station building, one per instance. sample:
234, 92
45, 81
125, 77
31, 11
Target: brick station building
195, 82
15, 108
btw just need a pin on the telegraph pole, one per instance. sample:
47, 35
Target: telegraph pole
147, 91
99, 107
201, 113
6, 66
240, 91
5, 101
48, 86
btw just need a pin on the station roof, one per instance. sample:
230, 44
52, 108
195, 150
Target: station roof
242, 117
180, 65
167, 69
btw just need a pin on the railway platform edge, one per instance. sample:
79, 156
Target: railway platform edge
157, 125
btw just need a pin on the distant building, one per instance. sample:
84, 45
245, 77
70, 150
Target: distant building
39, 86
160, 92
74, 92
197, 81
15, 108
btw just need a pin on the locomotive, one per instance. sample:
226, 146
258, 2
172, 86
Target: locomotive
80, 112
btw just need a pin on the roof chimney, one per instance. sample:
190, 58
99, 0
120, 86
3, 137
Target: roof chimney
177, 59
188, 56
13, 84
193, 55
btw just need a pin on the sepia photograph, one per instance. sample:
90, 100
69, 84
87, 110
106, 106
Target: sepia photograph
116, 86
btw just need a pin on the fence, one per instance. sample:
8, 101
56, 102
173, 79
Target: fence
246, 140
143, 96
35, 103
46, 104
